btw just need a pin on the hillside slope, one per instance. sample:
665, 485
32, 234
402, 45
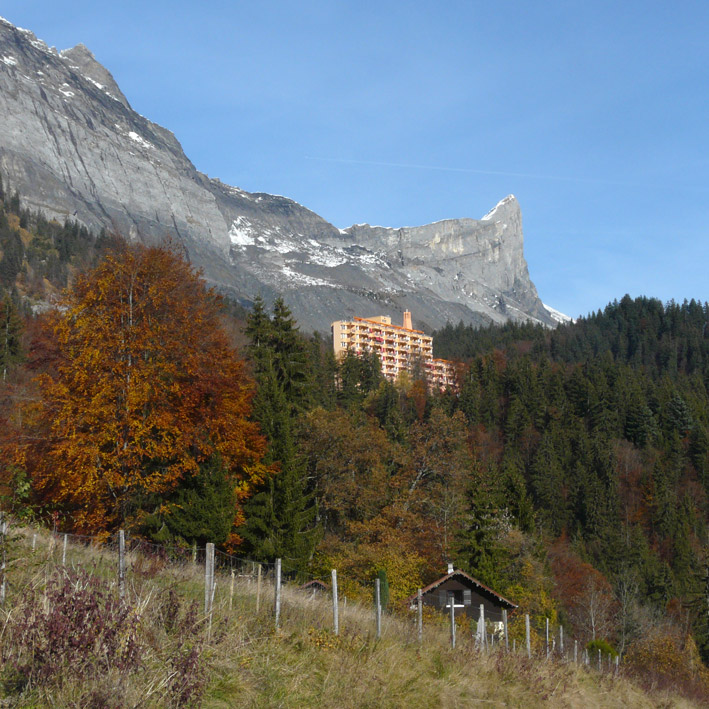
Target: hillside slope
167, 653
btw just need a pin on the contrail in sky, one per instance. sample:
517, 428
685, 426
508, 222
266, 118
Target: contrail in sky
441, 168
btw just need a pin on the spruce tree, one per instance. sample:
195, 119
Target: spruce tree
477, 544
281, 518
548, 485
258, 330
288, 353
10, 331
201, 510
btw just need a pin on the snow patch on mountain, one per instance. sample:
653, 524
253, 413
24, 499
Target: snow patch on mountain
301, 248
140, 140
557, 315
295, 278
241, 232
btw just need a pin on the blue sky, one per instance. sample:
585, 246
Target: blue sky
594, 114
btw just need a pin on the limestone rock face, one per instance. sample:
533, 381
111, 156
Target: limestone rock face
71, 145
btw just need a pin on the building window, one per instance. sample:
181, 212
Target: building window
458, 598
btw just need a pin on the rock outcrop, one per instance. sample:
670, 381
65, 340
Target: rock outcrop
71, 145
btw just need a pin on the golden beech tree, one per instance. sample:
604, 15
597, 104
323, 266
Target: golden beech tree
140, 388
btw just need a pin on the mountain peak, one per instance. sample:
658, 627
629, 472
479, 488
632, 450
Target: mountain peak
506, 205
81, 58
73, 153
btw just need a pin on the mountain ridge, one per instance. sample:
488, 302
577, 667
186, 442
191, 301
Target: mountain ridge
74, 148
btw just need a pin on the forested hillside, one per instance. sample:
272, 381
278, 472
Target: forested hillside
598, 433
570, 472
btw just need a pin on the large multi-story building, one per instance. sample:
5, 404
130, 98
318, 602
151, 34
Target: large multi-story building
399, 348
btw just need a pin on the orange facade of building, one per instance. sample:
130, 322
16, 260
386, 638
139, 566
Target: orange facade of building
399, 348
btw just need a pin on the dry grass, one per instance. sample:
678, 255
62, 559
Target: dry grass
242, 661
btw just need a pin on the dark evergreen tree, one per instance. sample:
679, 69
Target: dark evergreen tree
281, 518
259, 331
10, 331
200, 511
288, 352
477, 545
548, 486
358, 375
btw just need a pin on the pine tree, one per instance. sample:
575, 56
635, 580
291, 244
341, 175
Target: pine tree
258, 330
201, 510
281, 518
10, 330
289, 356
477, 545
548, 486
515, 491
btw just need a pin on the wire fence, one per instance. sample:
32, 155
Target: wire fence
135, 555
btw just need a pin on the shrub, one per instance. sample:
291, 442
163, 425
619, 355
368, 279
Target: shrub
604, 646
664, 658
73, 627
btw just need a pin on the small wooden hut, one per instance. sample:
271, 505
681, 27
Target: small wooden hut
467, 594
315, 586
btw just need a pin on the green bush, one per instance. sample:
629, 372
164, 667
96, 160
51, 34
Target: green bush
604, 646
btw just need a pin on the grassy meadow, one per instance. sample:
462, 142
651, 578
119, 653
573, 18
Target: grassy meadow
69, 641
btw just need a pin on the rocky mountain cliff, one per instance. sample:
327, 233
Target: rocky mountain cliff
71, 145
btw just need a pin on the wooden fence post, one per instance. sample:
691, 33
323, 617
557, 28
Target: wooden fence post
277, 593
617, 662
419, 612
576, 652
208, 578
335, 608
34, 542
211, 606
526, 632
66, 536
514, 645
231, 591
451, 602
504, 629
378, 607
600, 661
546, 641
561, 641
3, 532
258, 588
483, 637
121, 563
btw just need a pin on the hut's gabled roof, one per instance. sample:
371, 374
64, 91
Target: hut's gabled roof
473, 583
314, 584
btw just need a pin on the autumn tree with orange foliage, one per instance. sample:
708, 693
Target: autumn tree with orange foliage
140, 389
585, 591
